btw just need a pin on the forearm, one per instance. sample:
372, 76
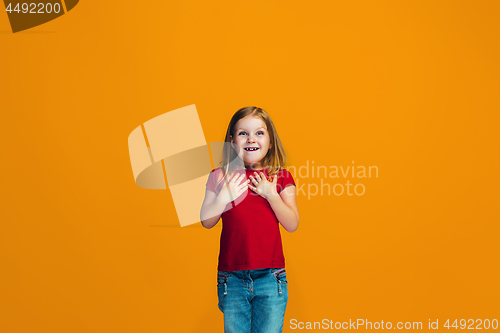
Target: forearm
286, 216
210, 214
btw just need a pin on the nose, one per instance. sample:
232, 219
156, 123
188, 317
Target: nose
250, 138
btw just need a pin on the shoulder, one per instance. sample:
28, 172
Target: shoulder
285, 173
214, 180
285, 180
216, 173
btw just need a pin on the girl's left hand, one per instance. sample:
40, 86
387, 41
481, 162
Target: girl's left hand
262, 186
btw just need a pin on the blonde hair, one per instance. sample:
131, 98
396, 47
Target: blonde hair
275, 157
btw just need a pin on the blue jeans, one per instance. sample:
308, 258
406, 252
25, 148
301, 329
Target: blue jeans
253, 301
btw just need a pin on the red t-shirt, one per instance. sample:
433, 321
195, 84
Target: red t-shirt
250, 237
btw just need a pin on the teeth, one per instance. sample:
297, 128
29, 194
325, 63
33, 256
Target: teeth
251, 149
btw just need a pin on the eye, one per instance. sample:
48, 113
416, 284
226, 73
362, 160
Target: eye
260, 132
242, 133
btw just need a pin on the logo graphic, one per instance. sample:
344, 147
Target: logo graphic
25, 14
172, 146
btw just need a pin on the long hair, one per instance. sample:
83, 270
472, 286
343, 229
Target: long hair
275, 157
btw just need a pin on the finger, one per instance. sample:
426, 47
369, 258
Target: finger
256, 175
254, 181
275, 180
245, 183
252, 188
240, 178
229, 192
233, 178
243, 189
263, 176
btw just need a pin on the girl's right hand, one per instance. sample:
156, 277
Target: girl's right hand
233, 189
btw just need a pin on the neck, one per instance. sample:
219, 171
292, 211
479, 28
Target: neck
254, 166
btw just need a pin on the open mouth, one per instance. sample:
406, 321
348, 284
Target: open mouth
251, 149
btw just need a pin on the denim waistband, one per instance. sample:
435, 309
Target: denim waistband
252, 273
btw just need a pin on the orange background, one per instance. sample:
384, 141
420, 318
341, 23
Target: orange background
411, 87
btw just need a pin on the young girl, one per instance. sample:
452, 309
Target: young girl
253, 194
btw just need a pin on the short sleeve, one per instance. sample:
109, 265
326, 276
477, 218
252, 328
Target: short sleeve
286, 180
212, 180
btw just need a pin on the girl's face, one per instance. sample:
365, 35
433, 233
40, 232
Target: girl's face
251, 141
